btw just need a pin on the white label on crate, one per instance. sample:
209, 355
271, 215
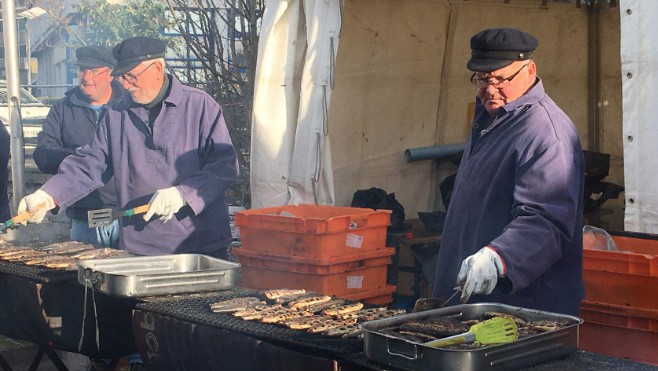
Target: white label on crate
354, 240
354, 282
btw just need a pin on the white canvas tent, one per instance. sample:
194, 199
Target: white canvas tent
291, 152
639, 76
401, 82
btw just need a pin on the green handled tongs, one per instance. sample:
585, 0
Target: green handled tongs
103, 217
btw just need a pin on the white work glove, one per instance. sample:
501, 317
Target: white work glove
479, 273
38, 202
165, 203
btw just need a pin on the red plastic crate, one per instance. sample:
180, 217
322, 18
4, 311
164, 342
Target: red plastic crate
342, 278
315, 266
628, 277
381, 296
313, 231
635, 256
619, 331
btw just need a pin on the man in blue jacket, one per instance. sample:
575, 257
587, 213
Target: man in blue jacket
72, 123
513, 230
5, 212
167, 146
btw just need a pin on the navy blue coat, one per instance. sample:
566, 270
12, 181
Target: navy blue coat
189, 148
5, 213
71, 124
519, 189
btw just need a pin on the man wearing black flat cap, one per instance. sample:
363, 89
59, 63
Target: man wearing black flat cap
70, 124
167, 146
513, 230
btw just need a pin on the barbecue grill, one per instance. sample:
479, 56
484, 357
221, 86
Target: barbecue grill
182, 323
37, 274
196, 309
46, 308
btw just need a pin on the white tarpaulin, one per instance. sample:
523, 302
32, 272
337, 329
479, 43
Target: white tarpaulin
290, 151
639, 69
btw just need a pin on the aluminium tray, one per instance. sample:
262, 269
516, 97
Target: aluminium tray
157, 275
393, 351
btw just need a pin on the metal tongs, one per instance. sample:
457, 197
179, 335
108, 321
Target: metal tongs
424, 304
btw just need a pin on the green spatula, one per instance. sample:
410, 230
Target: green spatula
498, 330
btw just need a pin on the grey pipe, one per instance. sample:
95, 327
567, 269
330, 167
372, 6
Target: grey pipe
432, 152
13, 101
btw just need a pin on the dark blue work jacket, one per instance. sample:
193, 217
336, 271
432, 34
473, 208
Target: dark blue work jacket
71, 124
189, 148
519, 189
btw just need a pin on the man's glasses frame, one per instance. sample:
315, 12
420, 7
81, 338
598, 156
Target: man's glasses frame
94, 72
132, 78
496, 81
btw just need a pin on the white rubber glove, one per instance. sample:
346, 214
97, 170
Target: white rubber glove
38, 202
165, 203
479, 273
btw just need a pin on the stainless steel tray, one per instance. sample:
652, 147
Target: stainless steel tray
157, 275
393, 351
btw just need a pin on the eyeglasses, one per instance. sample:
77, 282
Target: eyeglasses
132, 78
497, 82
94, 72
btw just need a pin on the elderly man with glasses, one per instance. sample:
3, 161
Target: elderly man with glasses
70, 124
167, 146
513, 230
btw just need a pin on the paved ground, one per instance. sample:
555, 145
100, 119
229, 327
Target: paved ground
20, 354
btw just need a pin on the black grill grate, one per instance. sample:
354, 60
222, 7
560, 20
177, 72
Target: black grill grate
196, 309
36, 273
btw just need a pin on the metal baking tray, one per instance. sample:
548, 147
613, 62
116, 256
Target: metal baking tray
526, 351
157, 275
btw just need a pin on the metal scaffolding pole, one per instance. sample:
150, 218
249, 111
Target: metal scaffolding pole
13, 102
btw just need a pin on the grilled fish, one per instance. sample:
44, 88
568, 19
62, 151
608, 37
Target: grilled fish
348, 331
280, 317
279, 293
303, 303
488, 315
360, 313
343, 309
236, 304
323, 327
100, 253
438, 327
316, 308
365, 317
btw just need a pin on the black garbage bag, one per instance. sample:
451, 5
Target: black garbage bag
433, 221
377, 198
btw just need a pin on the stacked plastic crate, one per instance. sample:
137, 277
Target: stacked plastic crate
621, 299
337, 251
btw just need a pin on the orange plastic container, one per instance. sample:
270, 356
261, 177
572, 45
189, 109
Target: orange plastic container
336, 279
381, 296
619, 331
628, 277
315, 266
313, 231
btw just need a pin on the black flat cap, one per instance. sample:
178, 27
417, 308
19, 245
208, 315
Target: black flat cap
94, 57
495, 48
131, 52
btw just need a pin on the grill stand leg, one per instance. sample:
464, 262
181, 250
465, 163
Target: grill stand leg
54, 358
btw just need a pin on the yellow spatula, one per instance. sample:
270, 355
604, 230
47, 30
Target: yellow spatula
498, 330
